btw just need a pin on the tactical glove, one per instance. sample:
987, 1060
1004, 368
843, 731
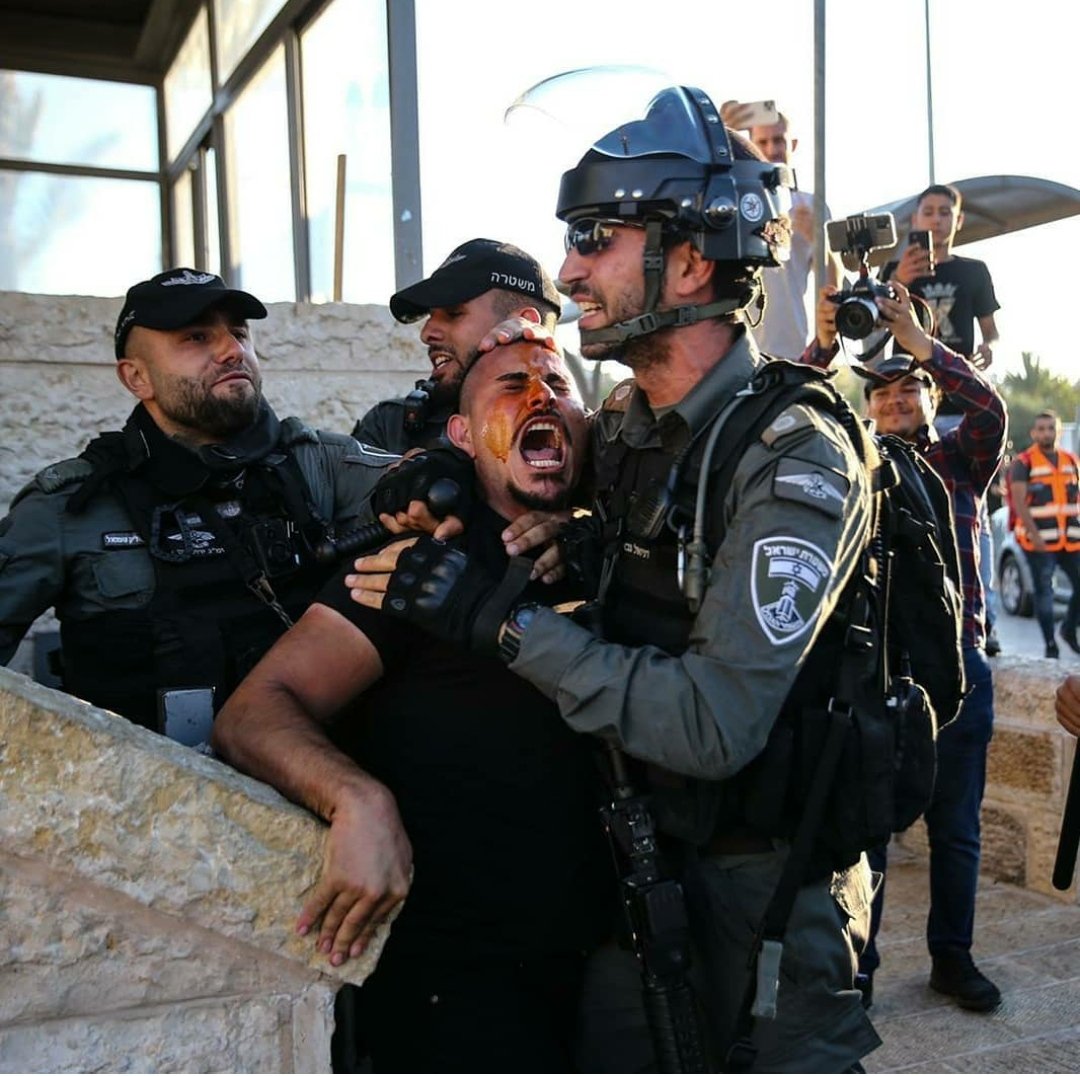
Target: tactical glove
438, 588
413, 478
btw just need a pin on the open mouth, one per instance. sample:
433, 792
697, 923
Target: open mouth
439, 359
542, 444
587, 307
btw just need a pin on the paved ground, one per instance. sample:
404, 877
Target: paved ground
1020, 635
1027, 943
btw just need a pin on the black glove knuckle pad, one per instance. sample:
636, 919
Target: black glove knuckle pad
439, 589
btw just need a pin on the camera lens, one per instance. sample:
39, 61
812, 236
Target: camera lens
856, 318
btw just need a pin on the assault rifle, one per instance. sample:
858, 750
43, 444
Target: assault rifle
656, 916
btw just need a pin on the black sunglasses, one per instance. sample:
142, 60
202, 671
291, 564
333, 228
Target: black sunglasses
592, 234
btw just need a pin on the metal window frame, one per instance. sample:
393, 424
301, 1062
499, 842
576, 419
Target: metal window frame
285, 29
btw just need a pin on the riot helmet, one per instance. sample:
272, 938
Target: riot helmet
677, 171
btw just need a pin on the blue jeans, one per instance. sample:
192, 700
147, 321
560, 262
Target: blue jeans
1042, 577
986, 566
952, 822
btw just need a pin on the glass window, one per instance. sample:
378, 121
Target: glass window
183, 221
347, 110
188, 92
77, 235
237, 25
260, 202
77, 121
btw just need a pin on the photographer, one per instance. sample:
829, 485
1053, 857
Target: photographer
902, 393
178, 549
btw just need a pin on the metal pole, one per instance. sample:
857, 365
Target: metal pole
929, 92
404, 141
339, 228
819, 142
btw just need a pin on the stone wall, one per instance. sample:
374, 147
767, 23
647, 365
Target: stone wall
147, 898
1028, 768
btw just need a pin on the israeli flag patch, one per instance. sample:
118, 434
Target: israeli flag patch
788, 580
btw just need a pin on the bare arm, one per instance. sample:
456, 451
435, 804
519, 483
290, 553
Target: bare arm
1018, 491
984, 353
273, 727
1067, 704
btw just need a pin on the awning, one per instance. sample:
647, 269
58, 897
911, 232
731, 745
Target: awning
993, 205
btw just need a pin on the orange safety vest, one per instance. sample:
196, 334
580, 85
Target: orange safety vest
1053, 495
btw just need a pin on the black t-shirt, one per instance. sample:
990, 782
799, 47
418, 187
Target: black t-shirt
959, 292
499, 798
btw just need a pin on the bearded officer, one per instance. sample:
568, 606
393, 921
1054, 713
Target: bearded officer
176, 550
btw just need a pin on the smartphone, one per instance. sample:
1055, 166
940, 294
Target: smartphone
186, 714
921, 238
758, 114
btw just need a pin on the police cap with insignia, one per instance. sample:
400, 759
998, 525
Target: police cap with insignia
471, 269
179, 297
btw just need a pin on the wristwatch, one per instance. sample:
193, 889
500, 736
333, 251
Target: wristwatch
514, 627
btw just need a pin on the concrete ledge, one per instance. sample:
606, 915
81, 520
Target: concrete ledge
149, 897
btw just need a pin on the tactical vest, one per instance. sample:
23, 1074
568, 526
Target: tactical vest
647, 505
647, 519
226, 585
1053, 494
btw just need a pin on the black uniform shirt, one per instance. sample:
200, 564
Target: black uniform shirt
499, 798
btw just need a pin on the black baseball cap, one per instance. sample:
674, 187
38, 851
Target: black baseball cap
891, 368
472, 269
176, 298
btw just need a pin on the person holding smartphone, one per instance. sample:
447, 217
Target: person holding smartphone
784, 330
959, 290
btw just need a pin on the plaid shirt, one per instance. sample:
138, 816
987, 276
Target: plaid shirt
966, 458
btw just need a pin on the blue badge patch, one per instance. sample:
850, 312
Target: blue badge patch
788, 580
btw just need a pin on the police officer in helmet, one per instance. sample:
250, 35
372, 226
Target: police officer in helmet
670, 220
176, 550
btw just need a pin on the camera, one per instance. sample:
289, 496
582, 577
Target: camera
857, 313
271, 542
853, 238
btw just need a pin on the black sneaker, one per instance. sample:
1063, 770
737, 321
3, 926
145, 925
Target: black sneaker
993, 644
957, 976
1068, 637
1052, 651
864, 982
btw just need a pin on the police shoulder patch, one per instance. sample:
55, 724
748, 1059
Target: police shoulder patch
788, 580
811, 484
795, 417
58, 475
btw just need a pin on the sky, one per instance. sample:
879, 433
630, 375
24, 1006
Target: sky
1005, 92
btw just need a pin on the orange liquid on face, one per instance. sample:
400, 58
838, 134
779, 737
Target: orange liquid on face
498, 430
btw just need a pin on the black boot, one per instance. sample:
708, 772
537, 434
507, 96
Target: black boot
955, 974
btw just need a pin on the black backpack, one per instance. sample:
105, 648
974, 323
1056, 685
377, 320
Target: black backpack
891, 652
